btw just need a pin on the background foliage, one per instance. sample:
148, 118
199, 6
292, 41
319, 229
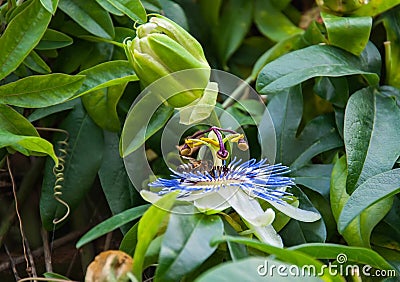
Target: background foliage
330, 78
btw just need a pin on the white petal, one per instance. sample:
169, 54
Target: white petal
296, 213
267, 234
212, 203
149, 196
247, 207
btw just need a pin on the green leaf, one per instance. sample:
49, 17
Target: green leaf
109, 7
231, 29
54, 275
315, 176
27, 145
371, 134
40, 90
117, 187
36, 63
353, 254
359, 230
272, 22
253, 269
349, 33
132, 8
50, 5
101, 105
44, 112
174, 12
53, 39
106, 75
284, 255
319, 60
376, 7
129, 242
21, 36
186, 243
367, 194
333, 89
148, 227
111, 224
83, 160
89, 15
142, 123
15, 123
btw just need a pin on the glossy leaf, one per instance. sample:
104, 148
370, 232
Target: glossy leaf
284, 255
314, 61
15, 123
231, 29
27, 145
50, 5
116, 185
106, 75
81, 166
272, 22
21, 36
391, 22
371, 134
349, 33
251, 269
44, 112
132, 8
316, 177
186, 243
333, 89
101, 105
141, 126
109, 7
148, 227
353, 254
89, 15
41, 90
128, 243
367, 194
53, 39
36, 63
111, 224
358, 232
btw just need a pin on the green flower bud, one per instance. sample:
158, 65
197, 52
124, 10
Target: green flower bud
341, 6
161, 48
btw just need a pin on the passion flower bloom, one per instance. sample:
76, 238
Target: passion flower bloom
160, 48
239, 185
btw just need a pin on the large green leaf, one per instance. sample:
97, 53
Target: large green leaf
117, 187
353, 254
53, 39
186, 243
85, 152
148, 227
358, 232
272, 22
255, 269
284, 255
141, 124
132, 8
367, 194
315, 61
15, 123
111, 224
21, 36
89, 15
105, 75
27, 145
316, 177
371, 135
348, 33
41, 90
231, 29
101, 105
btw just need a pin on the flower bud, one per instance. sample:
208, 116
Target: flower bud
161, 48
